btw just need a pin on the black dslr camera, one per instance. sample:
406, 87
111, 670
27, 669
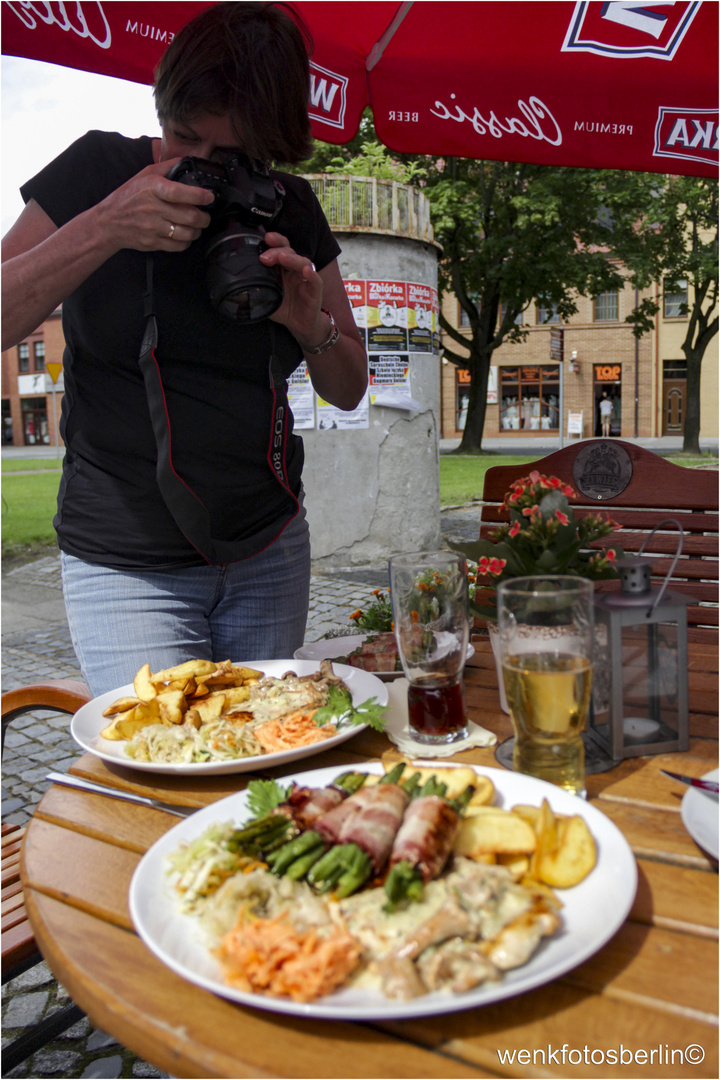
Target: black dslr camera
247, 202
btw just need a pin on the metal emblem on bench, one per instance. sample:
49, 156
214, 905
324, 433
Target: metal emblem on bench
602, 470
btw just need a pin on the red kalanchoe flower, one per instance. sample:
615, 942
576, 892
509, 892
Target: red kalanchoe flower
562, 518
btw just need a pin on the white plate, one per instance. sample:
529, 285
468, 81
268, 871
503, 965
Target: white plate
592, 911
699, 812
342, 646
88, 722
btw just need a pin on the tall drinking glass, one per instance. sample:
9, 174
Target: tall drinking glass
429, 593
546, 642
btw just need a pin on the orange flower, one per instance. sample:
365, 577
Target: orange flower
414, 616
356, 614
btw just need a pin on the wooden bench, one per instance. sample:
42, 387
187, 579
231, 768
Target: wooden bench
641, 491
19, 950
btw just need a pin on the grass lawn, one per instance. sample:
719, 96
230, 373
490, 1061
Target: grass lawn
28, 507
28, 502
13, 465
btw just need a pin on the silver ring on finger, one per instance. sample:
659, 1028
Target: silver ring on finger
172, 232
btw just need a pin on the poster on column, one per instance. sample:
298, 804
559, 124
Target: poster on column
357, 295
330, 418
387, 316
420, 317
301, 398
389, 383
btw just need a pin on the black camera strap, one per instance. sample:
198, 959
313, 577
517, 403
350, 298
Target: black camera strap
189, 511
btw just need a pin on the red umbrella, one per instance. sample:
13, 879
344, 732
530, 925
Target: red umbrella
626, 84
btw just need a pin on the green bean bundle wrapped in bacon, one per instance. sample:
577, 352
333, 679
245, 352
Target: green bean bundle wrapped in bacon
423, 842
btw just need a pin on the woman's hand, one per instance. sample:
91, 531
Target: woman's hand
302, 292
339, 374
151, 213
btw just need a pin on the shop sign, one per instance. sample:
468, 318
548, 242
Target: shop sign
607, 372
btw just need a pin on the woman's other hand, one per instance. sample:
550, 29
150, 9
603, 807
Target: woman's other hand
340, 374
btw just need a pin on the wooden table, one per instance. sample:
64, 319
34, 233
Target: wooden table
652, 989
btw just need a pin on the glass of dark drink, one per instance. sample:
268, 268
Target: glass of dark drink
429, 593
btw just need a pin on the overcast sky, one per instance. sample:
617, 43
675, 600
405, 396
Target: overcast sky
46, 107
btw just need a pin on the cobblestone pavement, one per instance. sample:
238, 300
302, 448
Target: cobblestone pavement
44, 743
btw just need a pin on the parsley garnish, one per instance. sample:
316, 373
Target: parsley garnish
264, 795
341, 710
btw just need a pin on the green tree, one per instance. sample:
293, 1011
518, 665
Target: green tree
513, 233
673, 239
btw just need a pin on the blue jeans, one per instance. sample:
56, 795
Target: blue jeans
255, 609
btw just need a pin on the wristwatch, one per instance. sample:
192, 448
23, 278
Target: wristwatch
316, 350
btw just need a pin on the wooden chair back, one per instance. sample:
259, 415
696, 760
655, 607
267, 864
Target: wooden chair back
641, 491
19, 949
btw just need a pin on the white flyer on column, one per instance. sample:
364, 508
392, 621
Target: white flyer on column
301, 398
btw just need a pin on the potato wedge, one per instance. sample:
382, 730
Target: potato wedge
492, 830
573, 857
172, 706
143, 684
122, 704
191, 669
126, 724
518, 865
211, 706
235, 695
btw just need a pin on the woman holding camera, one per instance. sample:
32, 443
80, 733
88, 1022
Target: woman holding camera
180, 518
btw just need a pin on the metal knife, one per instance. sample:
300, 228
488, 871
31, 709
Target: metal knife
705, 785
128, 796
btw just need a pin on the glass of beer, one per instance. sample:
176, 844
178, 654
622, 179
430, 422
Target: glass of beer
546, 642
429, 592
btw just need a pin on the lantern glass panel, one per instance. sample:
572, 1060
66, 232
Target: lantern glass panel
640, 703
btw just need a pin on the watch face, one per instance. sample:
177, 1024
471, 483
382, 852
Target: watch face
602, 470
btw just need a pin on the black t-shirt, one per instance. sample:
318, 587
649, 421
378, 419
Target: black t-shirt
214, 372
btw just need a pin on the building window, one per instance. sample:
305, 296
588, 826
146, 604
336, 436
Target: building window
606, 307
547, 313
675, 298
503, 312
39, 351
463, 317
23, 358
529, 398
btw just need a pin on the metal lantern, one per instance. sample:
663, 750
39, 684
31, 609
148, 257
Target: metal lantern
640, 697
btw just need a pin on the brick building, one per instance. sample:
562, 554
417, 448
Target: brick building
30, 409
644, 379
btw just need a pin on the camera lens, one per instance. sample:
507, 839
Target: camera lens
241, 287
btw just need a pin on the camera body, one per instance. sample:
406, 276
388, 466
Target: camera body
247, 202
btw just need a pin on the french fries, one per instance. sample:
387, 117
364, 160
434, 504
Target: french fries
197, 690
537, 844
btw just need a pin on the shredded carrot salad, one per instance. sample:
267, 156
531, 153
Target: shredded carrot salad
270, 956
287, 732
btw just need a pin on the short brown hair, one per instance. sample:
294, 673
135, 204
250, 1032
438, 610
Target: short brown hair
249, 62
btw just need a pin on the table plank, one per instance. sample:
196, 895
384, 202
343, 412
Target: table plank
199, 1034
544, 1021
655, 833
635, 966
677, 897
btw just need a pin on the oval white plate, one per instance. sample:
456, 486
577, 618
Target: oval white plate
593, 911
699, 812
328, 648
88, 722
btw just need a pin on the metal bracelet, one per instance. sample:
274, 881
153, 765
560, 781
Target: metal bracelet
316, 350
